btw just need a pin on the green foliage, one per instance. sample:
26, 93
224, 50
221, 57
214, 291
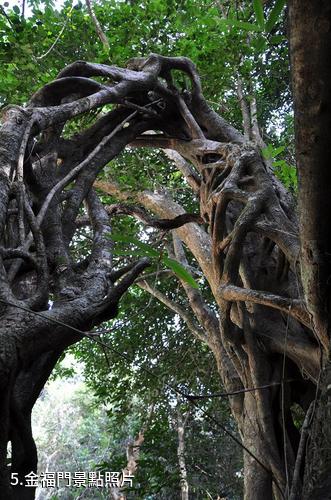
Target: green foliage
258, 9
274, 16
180, 271
160, 354
270, 152
286, 173
71, 432
240, 25
145, 250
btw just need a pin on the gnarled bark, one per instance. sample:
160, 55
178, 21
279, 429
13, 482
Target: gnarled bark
250, 258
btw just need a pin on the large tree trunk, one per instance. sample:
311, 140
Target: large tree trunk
37, 226
310, 46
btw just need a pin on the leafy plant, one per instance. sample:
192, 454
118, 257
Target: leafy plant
145, 250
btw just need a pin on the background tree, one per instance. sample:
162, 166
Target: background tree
161, 357
72, 435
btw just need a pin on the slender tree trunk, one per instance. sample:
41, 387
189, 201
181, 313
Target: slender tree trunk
133, 455
98, 29
184, 486
245, 111
256, 132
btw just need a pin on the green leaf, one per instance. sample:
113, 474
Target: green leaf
240, 25
275, 15
147, 249
279, 163
277, 151
177, 175
181, 272
128, 253
260, 44
258, 9
267, 152
270, 152
16, 9
276, 39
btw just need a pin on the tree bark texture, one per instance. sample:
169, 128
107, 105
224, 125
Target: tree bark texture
247, 248
310, 41
310, 46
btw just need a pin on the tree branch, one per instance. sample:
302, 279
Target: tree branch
293, 307
197, 331
97, 26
